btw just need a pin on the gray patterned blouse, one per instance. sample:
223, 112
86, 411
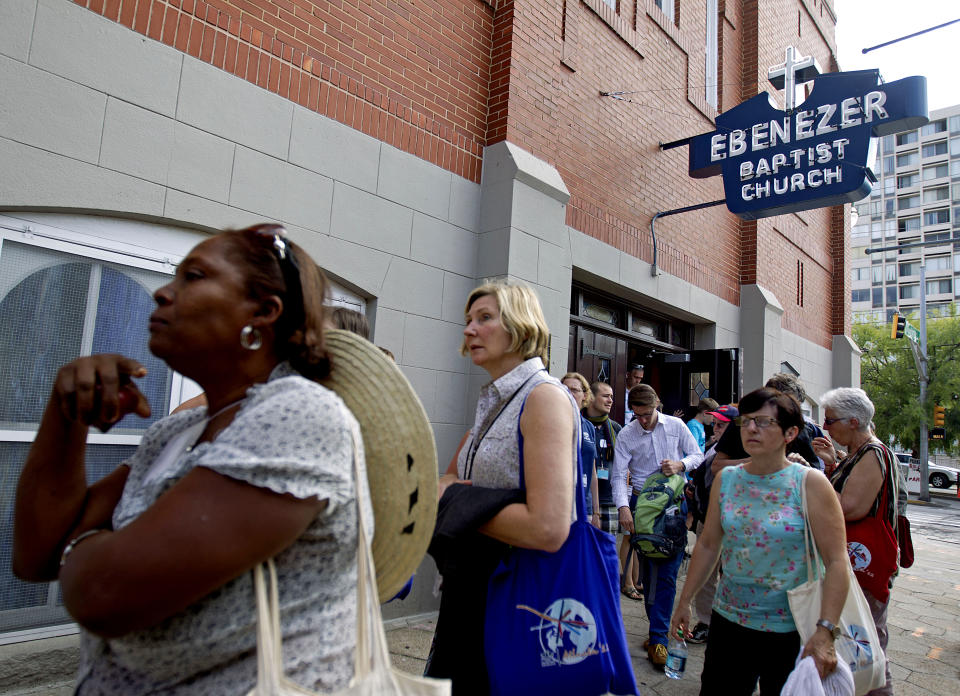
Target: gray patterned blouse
496, 463
290, 436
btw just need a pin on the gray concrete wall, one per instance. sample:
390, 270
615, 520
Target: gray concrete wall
99, 120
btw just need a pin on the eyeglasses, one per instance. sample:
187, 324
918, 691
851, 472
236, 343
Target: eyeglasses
289, 267
759, 421
827, 422
575, 390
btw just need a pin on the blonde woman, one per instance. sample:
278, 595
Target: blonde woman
579, 389
506, 335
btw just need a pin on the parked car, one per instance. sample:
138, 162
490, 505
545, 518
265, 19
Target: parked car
940, 476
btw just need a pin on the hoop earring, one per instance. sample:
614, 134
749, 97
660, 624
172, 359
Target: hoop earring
250, 338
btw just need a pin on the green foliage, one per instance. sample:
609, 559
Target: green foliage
888, 374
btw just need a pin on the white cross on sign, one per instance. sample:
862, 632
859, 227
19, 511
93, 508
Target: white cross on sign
794, 70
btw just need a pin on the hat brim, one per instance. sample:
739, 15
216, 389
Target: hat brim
719, 416
401, 457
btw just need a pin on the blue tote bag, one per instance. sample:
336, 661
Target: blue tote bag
553, 623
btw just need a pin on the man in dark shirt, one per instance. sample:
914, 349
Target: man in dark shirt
607, 429
731, 447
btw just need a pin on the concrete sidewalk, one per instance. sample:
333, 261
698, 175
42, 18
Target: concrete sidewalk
924, 619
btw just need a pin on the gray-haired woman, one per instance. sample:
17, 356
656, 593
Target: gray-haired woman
859, 479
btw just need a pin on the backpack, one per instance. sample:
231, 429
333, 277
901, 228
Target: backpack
697, 489
660, 518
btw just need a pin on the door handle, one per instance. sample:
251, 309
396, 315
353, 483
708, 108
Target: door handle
599, 354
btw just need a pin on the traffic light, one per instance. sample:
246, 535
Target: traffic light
898, 325
938, 416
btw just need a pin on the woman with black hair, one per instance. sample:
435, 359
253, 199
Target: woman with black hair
154, 559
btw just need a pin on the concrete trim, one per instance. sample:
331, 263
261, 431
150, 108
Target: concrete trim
846, 362
761, 335
505, 161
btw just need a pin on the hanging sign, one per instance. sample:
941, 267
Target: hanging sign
812, 155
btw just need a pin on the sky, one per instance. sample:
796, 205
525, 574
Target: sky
865, 23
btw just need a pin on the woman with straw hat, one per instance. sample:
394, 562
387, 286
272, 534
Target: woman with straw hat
154, 559
507, 336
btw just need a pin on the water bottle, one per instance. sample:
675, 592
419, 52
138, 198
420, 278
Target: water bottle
676, 657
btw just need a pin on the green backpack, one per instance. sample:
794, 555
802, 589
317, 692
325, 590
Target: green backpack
660, 519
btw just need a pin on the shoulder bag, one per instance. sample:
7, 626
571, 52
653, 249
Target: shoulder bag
858, 645
373, 674
871, 542
898, 485
553, 623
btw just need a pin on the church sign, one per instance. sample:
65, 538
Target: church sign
808, 156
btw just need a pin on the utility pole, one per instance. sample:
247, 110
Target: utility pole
924, 378
918, 345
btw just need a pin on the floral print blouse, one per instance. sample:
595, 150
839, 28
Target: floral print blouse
763, 551
290, 436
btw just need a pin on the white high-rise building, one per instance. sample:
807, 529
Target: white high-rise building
917, 199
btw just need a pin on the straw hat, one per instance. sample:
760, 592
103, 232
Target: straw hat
400, 454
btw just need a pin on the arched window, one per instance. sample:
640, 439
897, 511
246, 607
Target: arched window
63, 294
73, 285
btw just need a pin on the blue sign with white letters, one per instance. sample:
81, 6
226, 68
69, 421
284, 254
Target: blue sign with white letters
812, 156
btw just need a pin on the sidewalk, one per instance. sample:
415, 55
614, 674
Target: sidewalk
924, 623
924, 619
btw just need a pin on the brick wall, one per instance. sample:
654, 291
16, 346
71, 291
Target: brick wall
607, 150
412, 74
804, 238
442, 79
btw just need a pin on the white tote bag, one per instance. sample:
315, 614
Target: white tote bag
373, 673
858, 646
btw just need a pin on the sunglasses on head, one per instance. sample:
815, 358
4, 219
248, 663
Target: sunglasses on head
289, 268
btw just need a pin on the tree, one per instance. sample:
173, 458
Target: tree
889, 376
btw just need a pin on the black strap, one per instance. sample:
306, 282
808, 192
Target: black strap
475, 442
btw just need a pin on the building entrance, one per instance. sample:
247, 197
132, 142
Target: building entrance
608, 337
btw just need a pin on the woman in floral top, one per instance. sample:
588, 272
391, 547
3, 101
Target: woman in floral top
755, 525
154, 559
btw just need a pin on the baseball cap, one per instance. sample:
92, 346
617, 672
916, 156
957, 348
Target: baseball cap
725, 413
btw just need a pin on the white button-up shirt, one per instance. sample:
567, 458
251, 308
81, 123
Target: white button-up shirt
640, 452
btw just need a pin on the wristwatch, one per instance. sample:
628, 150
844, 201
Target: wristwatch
833, 629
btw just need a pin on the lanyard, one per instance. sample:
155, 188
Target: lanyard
475, 443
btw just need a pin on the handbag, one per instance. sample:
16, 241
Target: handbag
904, 539
872, 545
553, 623
373, 674
858, 645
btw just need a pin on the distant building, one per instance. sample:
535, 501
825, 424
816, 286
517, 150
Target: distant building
917, 199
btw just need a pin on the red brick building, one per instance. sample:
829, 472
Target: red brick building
415, 147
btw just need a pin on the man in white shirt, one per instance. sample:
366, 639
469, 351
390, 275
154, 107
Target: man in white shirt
652, 442
634, 377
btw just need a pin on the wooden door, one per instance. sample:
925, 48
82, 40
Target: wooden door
600, 358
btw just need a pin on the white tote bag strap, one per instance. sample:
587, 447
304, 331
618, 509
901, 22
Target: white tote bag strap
812, 554
269, 637
372, 650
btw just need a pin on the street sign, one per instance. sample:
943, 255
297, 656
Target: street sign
912, 332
